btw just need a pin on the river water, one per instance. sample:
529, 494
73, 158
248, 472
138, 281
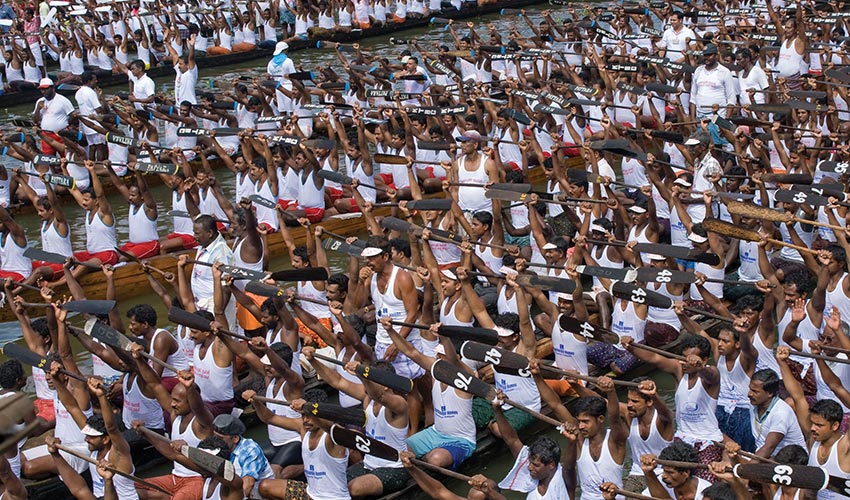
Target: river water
495, 468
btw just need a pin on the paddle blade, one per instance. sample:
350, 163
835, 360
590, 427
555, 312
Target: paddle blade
607, 272
797, 476
460, 334
662, 249
240, 273
330, 175
187, 319
362, 443
399, 384
337, 414
389, 159
432, 204
788, 178
97, 307
264, 202
638, 295
729, 229
495, 356
789, 196
306, 274
587, 330
36, 254
158, 168
562, 285
342, 247
396, 224
501, 194
653, 275
213, 464
25, 356
509, 186
106, 334
263, 289
447, 373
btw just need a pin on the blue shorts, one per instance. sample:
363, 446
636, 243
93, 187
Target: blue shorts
686, 264
403, 365
429, 439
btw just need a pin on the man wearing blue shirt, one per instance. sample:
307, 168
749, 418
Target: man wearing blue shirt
247, 456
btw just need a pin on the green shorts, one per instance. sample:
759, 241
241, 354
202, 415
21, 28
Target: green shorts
482, 412
520, 241
392, 478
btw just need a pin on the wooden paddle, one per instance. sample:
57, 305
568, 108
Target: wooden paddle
54, 258
186, 215
263, 202
399, 160
820, 356
562, 285
459, 333
211, 463
398, 383
305, 274
430, 204
677, 252
396, 224
113, 338
13, 409
54, 179
636, 496
733, 231
655, 275
638, 295
195, 322
35, 360
506, 195
756, 212
336, 245
238, 273
156, 168
145, 266
612, 273
131, 477
345, 180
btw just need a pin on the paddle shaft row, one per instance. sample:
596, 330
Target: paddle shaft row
586, 378
131, 477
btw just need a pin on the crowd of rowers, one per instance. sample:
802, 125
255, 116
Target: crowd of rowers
752, 388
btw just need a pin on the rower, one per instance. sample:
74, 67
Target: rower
141, 218
678, 483
184, 198
358, 163
142, 323
473, 167
248, 253
264, 177
191, 423
485, 228
100, 225
187, 72
91, 103
13, 243
773, 422
215, 486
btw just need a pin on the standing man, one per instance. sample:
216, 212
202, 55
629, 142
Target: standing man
186, 73
90, 101
473, 167
212, 248
51, 114
247, 456
278, 69
713, 84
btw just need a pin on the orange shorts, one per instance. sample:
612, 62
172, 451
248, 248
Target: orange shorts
189, 241
244, 317
181, 488
106, 257
142, 250
314, 214
303, 330
561, 387
45, 409
11, 274
334, 193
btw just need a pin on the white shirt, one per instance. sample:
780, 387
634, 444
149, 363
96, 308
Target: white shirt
676, 41
54, 115
715, 86
142, 87
184, 85
88, 102
202, 277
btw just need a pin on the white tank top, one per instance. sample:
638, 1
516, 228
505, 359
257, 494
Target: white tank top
66, 429
593, 473
358, 173
42, 390
137, 406
125, 488
603, 260
345, 400
12, 256
244, 186
387, 304
766, 358
837, 298
805, 330
472, 199
182, 225
486, 255
238, 262
142, 228
716, 289
191, 439
505, 304
225, 40
309, 196
264, 214
326, 478
288, 185
100, 368
627, 322
278, 435
695, 420
832, 467
99, 236
570, 353
450, 317
215, 382
215, 493
52, 241
377, 427
638, 446
517, 388
452, 414
790, 61
749, 268
445, 253
307, 289
734, 385
177, 358
209, 205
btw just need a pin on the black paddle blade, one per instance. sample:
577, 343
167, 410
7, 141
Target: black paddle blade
337, 414
501, 194
662, 249
435, 146
342, 247
712, 259
36, 254
362, 443
306, 274
402, 385
187, 319
839, 485
259, 200
788, 178
96, 307
509, 186
653, 275
622, 274
638, 295
25, 356
495, 356
839, 167
213, 464
797, 476
241, 273
562, 285
396, 224
158, 168
788, 196
329, 175
460, 334
449, 374
106, 334
263, 289
432, 204
587, 330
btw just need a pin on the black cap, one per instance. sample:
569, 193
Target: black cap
228, 425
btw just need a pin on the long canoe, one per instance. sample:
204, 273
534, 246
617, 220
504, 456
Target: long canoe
29, 95
130, 280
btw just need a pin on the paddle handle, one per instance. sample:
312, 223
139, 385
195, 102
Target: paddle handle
410, 325
28, 287
708, 314
682, 465
586, 378
235, 335
193, 261
638, 496
310, 300
734, 282
334, 235
536, 414
661, 352
36, 304
819, 224
446, 472
151, 434
160, 362
795, 247
263, 399
820, 356
613, 243
113, 469
328, 359
547, 266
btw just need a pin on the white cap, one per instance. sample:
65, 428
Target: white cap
440, 349
265, 360
565, 296
449, 274
637, 209
45, 83
697, 238
598, 228
682, 182
504, 332
280, 47
505, 270
550, 246
371, 252
654, 256
404, 59
91, 431
691, 142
